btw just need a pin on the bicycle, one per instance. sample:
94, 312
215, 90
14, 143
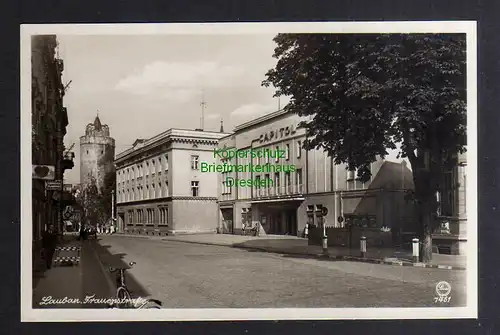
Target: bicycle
123, 293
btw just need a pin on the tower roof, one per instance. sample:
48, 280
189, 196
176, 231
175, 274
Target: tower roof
97, 123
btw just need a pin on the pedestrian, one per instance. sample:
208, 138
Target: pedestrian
243, 228
49, 247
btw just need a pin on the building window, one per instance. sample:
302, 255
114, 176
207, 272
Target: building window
351, 174
287, 152
166, 188
87, 152
288, 182
195, 188
299, 148
194, 162
266, 177
130, 217
147, 191
163, 216
166, 162
266, 157
257, 187
159, 190
298, 173
277, 153
153, 189
153, 167
277, 182
102, 152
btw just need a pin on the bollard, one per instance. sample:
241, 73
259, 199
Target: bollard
325, 244
362, 246
415, 250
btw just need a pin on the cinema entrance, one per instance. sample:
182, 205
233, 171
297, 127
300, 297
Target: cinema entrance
278, 217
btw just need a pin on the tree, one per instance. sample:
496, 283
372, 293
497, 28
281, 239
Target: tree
88, 200
106, 197
366, 93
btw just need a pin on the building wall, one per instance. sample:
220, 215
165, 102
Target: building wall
96, 158
49, 121
184, 174
158, 172
322, 184
204, 220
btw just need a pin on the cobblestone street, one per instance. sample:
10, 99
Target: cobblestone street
185, 275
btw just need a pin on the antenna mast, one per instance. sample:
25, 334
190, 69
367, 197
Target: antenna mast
203, 104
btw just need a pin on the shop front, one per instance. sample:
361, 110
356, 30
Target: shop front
277, 217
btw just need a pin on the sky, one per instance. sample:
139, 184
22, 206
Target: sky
144, 85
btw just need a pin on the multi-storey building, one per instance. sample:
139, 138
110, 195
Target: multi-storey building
308, 184
49, 122
160, 186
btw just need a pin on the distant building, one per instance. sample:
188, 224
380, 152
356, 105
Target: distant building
97, 152
160, 188
299, 195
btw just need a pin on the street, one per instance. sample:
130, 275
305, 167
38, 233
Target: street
186, 275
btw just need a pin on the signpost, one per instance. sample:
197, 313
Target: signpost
54, 185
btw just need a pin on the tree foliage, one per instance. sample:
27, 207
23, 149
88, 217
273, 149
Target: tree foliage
96, 204
363, 94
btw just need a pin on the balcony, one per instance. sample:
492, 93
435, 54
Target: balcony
67, 161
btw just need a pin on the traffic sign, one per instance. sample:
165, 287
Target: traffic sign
54, 185
46, 172
324, 211
68, 212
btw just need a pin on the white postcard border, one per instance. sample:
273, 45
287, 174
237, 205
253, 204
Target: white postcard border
28, 314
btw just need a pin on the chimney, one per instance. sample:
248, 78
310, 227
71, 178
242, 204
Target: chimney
221, 126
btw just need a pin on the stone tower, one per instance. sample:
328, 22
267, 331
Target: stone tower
97, 153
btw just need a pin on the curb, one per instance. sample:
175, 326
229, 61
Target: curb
331, 257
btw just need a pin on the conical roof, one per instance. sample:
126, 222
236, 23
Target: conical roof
97, 123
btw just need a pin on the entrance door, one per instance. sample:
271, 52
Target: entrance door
291, 222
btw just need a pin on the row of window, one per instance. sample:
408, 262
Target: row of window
289, 187
195, 159
143, 169
148, 216
142, 193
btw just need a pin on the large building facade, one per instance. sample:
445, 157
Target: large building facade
314, 185
160, 187
49, 122
97, 152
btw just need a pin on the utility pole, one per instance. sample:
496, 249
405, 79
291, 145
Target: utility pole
202, 104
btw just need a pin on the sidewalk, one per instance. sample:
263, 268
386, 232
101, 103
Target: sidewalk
68, 286
298, 246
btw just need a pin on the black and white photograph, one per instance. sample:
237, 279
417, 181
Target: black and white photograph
249, 171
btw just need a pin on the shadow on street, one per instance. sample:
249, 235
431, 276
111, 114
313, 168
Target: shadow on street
119, 260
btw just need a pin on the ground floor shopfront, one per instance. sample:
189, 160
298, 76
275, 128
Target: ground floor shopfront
168, 216
289, 215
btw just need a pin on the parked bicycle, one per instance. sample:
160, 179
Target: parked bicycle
123, 293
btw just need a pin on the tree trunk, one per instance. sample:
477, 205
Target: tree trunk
427, 223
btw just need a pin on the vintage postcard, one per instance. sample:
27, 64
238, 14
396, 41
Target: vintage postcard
249, 171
